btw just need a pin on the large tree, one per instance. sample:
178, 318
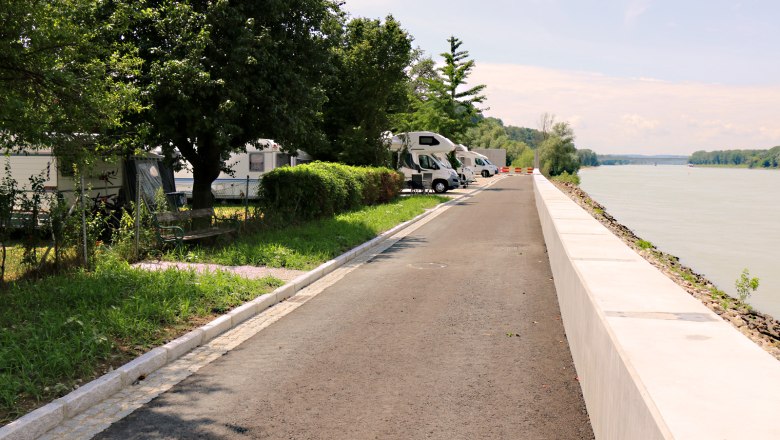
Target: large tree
366, 87
558, 153
221, 74
445, 105
63, 71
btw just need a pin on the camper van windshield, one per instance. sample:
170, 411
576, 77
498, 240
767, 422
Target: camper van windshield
443, 161
428, 162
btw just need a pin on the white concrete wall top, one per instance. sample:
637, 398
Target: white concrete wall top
653, 361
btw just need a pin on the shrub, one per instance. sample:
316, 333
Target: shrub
322, 189
565, 177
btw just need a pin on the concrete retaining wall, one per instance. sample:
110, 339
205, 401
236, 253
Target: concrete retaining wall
653, 362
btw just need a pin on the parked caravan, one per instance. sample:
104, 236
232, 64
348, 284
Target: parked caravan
248, 169
478, 162
112, 178
418, 159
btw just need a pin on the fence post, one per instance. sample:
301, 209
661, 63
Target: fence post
137, 212
246, 202
83, 217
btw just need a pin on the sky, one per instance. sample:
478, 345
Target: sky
631, 76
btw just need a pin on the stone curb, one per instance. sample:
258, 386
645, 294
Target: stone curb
38, 422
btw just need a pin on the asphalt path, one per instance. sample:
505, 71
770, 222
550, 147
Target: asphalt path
454, 332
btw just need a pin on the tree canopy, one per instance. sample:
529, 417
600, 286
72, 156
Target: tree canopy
440, 103
558, 153
63, 72
750, 158
219, 75
366, 87
588, 158
491, 133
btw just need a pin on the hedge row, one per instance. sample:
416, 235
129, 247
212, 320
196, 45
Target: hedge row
322, 189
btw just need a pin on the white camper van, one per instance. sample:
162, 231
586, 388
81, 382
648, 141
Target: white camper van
478, 162
420, 159
466, 174
253, 163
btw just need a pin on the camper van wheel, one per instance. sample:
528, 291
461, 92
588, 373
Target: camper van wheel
439, 186
485, 173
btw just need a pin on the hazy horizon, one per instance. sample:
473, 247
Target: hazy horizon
645, 76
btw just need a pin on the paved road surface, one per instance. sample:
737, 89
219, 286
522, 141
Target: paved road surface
452, 333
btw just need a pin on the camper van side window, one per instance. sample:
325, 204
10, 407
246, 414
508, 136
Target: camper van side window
479, 161
428, 140
257, 162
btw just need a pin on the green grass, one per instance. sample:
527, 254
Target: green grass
644, 244
14, 268
307, 245
565, 177
67, 329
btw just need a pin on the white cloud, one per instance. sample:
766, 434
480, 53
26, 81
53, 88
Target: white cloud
634, 10
638, 123
612, 115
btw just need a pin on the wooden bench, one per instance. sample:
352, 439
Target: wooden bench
181, 226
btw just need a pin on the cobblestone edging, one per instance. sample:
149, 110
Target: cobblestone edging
36, 423
761, 328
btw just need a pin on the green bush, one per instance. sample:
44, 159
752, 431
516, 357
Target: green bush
320, 189
565, 177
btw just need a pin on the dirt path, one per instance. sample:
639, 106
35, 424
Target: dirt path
452, 333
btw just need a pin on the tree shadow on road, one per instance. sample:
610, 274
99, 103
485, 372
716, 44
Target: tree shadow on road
401, 246
154, 421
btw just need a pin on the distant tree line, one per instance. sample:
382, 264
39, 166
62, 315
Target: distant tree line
492, 133
746, 158
588, 158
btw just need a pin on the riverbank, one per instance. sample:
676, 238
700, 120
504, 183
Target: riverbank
761, 328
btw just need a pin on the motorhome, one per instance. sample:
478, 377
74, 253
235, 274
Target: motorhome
248, 168
478, 162
417, 157
466, 174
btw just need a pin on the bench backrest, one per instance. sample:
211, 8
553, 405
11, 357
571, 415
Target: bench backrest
184, 216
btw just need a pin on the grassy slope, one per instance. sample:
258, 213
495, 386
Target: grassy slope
308, 245
67, 329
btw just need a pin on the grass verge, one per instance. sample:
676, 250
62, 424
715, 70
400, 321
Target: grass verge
310, 244
65, 330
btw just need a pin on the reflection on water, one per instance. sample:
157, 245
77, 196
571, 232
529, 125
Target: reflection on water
717, 220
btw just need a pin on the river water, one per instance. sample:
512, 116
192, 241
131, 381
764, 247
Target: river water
718, 221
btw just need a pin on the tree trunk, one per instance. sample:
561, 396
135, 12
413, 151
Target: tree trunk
206, 166
201, 193
2, 264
